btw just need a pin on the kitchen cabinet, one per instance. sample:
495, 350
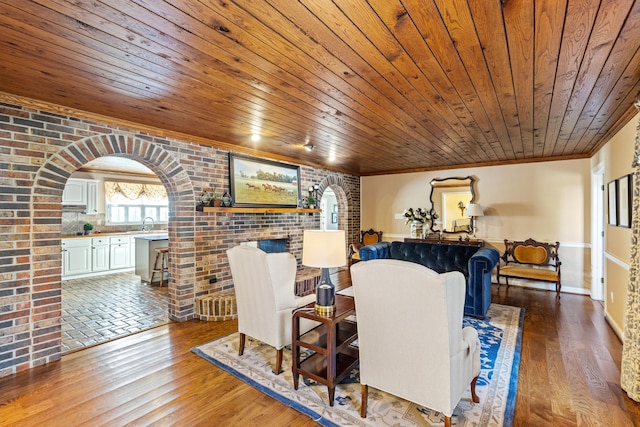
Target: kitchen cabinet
85, 256
100, 254
119, 252
75, 192
92, 196
76, 256
81, 192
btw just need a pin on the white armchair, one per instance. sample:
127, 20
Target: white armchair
410, 334
264, 285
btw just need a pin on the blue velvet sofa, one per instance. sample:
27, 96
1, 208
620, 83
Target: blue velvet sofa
473, 262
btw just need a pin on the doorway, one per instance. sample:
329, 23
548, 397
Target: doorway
109, 300
329, 210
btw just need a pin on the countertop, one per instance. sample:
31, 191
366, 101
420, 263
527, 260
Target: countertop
152, 237
149, 235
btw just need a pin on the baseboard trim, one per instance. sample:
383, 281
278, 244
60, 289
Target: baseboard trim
614, 326
546, 287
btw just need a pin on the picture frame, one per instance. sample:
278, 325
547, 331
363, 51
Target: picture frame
624, 201
258, 182
334, 217
612, 190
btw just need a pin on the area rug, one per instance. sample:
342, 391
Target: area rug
500, 337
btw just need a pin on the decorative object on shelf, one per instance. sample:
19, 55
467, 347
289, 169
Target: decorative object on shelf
260, 183
205, 197
420, 220
474, 210
227, 201
311, 200
216, 199
313, 196
88, 228
324, 249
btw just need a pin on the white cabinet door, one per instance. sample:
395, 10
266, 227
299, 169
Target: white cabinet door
100, 259
76, 256
75, 192
92, 197
119, 252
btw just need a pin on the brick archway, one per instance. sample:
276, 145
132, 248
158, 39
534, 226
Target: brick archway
47, 205
346, 207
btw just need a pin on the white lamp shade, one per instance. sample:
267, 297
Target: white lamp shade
474, 209
324, 248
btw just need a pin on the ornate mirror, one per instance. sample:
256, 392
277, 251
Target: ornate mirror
449, 198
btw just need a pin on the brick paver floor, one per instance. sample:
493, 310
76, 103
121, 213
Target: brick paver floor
103, 308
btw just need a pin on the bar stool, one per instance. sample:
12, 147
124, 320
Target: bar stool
160, 255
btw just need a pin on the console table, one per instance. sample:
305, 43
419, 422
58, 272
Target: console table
334, 357
472, 242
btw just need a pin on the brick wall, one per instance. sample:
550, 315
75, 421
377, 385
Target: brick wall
40, 150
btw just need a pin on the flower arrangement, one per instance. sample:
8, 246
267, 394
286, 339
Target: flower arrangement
420, 215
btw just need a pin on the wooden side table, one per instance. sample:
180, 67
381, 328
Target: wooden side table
334, 358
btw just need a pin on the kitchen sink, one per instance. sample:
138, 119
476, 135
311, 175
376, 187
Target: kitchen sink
148, 232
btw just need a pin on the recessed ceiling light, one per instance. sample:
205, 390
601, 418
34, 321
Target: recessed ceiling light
255, 137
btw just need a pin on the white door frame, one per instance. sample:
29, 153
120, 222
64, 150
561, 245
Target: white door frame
597, 233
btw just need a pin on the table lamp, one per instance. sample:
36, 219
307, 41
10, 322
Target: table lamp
324, 249
474, 210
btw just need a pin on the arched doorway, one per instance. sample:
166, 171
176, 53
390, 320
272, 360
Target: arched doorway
329, 210
47, 206
341, 201
106, 289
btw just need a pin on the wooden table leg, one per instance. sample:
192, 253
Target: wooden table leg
331, 361
295, 350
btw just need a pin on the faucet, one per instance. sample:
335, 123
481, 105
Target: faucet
144, 224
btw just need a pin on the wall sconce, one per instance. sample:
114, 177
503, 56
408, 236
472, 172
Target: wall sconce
474, 210
313, 190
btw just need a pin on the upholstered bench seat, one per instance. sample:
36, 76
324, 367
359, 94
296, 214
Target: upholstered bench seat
531, 260
529, 273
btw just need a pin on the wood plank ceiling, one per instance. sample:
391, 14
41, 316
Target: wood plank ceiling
377, 86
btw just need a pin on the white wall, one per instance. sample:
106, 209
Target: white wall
616, 157
547, 201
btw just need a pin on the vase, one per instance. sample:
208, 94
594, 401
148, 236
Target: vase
416, 230
226, 200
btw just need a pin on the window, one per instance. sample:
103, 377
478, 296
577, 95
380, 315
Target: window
131, 202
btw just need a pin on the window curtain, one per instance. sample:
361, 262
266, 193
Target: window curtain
630, 375
134, 191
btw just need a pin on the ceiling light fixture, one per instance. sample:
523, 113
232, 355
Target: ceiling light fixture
255, 137
309, 146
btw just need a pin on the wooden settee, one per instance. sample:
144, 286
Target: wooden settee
532, 260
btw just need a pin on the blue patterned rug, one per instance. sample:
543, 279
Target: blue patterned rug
500, 338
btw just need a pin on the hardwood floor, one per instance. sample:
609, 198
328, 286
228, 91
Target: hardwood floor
569, 376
